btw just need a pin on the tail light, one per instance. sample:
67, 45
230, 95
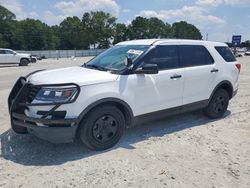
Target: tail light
238, 66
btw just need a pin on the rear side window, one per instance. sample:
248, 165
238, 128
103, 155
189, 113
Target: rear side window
166, 57
2, 52
226, 53
194, 55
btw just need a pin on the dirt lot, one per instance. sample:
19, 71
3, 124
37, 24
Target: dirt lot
182, 151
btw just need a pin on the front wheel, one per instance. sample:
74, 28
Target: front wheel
24, 62
217, 105
102, 128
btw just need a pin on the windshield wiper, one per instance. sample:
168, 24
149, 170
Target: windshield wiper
95, 67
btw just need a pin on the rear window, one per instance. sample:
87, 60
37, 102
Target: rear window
226, 53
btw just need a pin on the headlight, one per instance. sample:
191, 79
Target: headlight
56, 95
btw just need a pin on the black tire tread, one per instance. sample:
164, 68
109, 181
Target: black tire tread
87, 123
24, 62
208, 111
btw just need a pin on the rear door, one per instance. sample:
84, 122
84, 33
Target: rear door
201, 73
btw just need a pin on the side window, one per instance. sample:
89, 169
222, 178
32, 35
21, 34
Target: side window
2, 52
195, 55
226, 53
8, 52
166, 57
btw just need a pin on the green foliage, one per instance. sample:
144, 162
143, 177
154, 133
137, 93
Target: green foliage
5, 14
99, 28
120, 33
6, 26
246, 44
184, 30
95, 30
144, 28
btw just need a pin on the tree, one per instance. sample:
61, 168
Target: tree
95, 29
70, 33
6, 15
35, 34
100, 28
121, 33
138, 29
158, 29
6, 26
148, 28
246, 44
184, 30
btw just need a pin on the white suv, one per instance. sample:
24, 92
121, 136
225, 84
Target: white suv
8, 56
131, 81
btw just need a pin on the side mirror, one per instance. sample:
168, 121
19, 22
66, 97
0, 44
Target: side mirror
129, 61
14, 53
148, 69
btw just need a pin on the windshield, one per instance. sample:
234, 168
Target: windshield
116, 58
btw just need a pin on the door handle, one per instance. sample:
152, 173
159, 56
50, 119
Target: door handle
214, 70
176, 76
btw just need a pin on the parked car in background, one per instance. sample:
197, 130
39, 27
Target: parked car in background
33, 59
238, 54
247, 53
130, 82
8, 56
38, 57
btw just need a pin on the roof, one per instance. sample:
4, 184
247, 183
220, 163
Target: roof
161, 41
4, 49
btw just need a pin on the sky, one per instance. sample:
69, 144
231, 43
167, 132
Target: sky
220, 19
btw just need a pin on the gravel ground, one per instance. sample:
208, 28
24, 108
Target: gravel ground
182, 151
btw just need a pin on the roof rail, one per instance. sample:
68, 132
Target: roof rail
156, 41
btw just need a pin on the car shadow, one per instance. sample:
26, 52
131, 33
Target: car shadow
31, 151
8, 66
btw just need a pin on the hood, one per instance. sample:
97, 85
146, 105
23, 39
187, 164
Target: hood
78, 75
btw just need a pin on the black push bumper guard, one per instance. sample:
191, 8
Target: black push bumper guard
55, 130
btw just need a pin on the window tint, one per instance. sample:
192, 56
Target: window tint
2, 52
226, 53
195, 55
8, 52
166, 57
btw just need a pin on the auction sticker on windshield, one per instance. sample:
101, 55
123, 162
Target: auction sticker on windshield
135, 52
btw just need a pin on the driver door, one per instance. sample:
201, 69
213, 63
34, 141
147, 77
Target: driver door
159, 91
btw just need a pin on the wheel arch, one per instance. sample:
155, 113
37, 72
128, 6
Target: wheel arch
224, 85
24, 58
120, 104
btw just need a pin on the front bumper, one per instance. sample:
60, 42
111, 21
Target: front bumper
52, 129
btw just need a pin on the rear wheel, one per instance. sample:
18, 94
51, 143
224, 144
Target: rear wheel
102, 128
217, 105
24, 62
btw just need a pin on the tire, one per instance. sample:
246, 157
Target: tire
33, 60
19, 129
24, 62
217, 105
102, 128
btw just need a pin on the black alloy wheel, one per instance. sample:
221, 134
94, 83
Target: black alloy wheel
102, 128
218, 104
